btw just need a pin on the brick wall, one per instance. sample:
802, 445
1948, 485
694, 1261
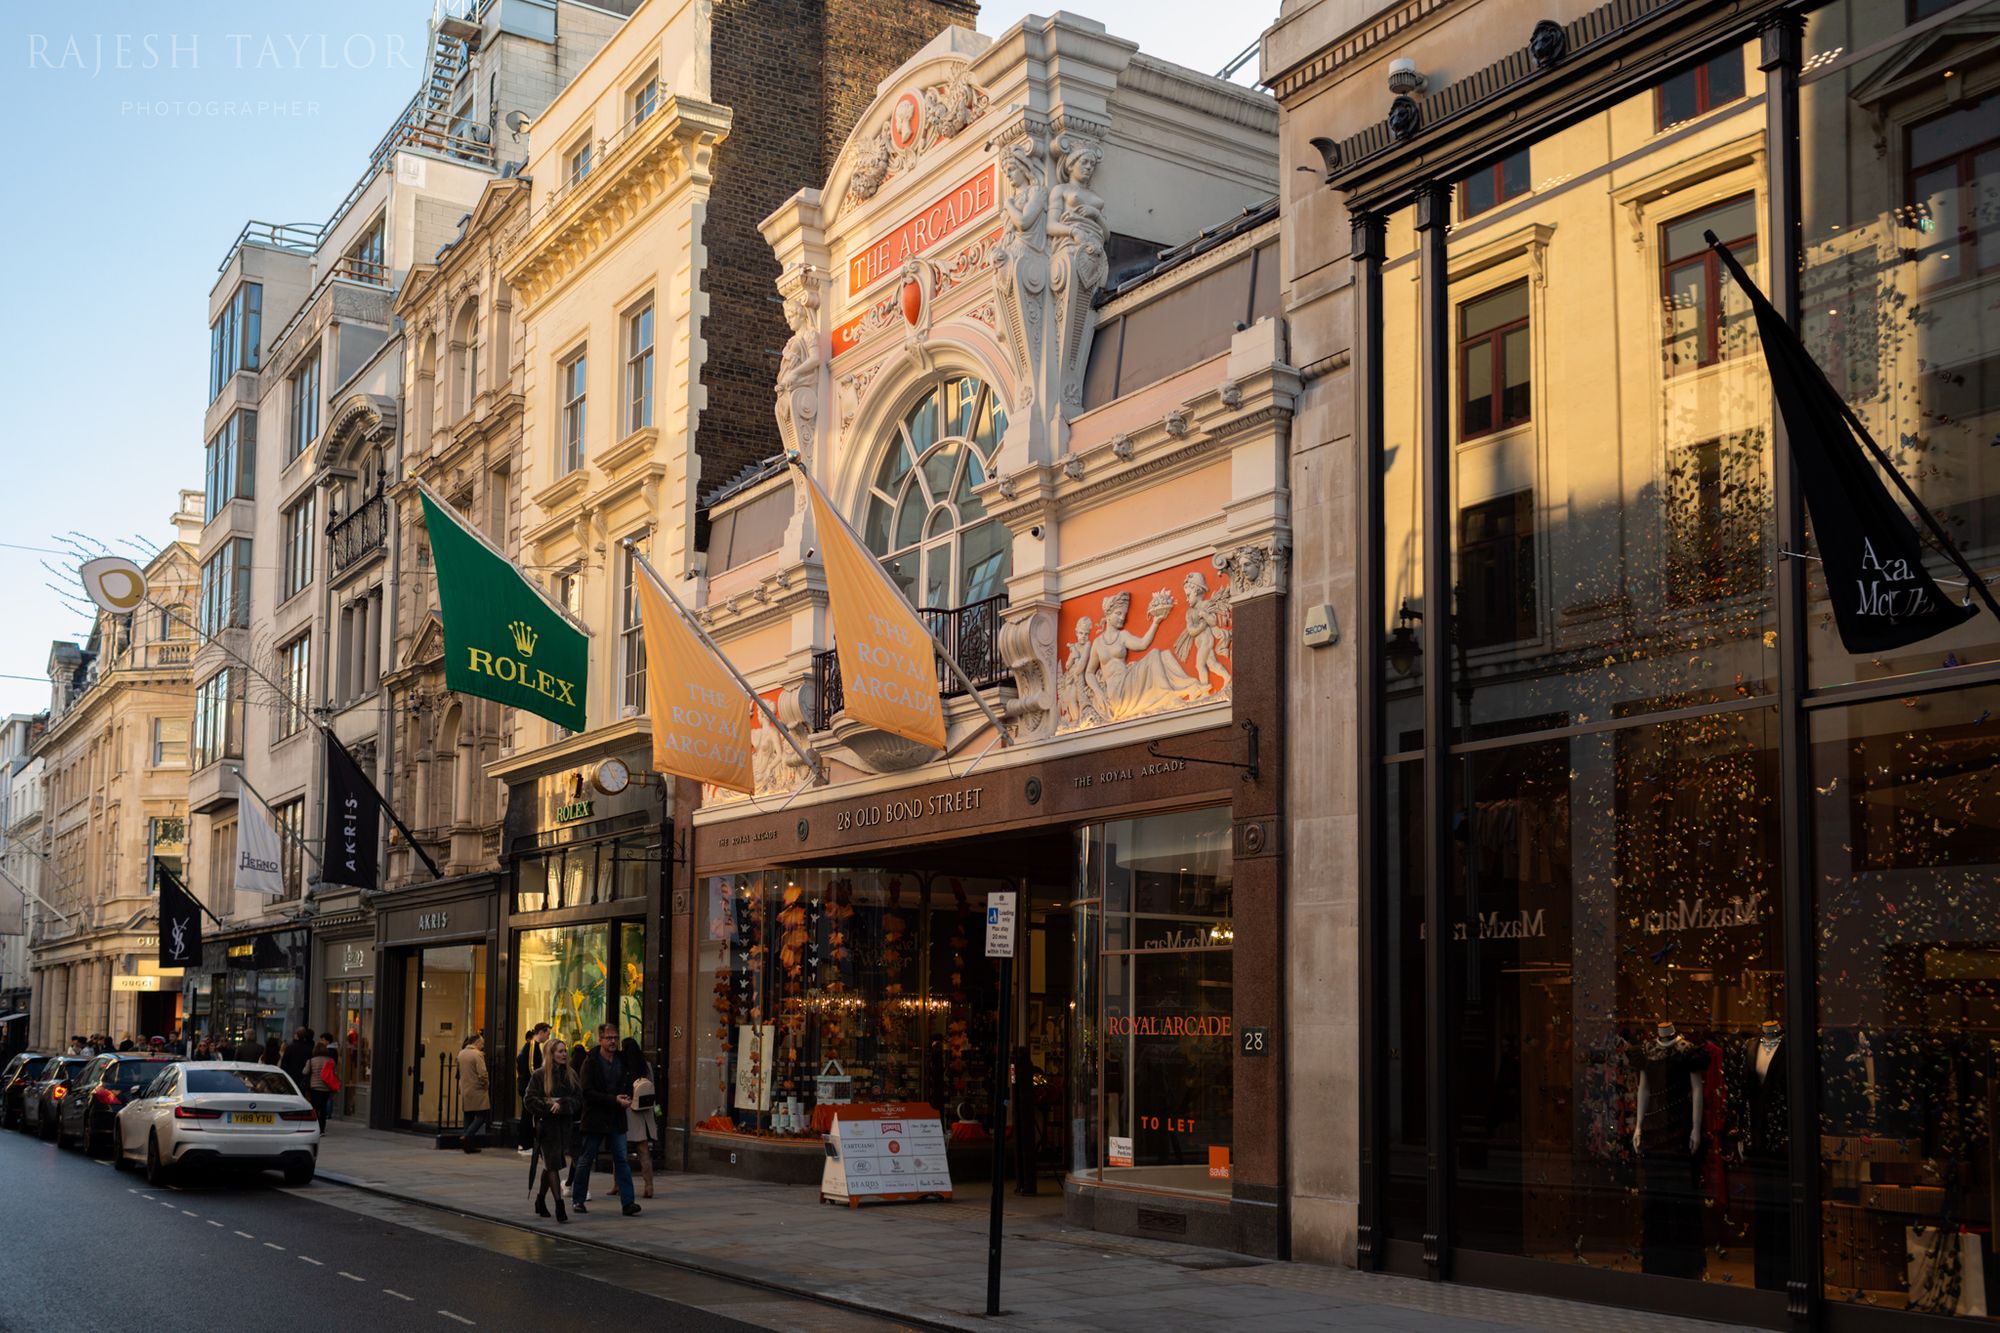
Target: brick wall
796, 74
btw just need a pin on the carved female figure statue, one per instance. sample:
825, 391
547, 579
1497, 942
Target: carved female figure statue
1078, 234
1023, 258
1121, 688
798, 374
1207, 632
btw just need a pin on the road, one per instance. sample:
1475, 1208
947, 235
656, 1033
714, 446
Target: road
236, 1253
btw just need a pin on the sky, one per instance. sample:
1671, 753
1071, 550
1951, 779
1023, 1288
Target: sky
149, 134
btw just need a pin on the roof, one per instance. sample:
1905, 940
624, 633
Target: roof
762, 470
1201, 243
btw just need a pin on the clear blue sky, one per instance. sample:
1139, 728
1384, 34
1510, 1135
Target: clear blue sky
147, 134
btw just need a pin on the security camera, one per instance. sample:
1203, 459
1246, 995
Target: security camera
1036, 532
1404, 78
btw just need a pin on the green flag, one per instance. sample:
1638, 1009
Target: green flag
502, 639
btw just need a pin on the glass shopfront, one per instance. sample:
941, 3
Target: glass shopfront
1606, 1029
248, 987
575, 978
877, 980
444, 1003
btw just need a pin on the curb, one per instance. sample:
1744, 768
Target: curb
707, 1268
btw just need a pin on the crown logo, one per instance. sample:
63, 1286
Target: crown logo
524, 636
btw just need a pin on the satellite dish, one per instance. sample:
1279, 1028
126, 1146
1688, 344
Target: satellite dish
516, 122
114, 583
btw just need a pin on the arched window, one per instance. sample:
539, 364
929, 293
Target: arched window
425, 406
465, 359
930, 530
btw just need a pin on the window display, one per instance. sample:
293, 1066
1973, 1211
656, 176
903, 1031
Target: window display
563, 979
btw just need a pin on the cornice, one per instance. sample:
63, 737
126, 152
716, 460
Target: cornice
1323, 64
673, 147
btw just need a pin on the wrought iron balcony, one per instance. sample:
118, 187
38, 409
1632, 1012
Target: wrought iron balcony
970, 633
361, 534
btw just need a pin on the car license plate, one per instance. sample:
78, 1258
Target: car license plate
247, 1118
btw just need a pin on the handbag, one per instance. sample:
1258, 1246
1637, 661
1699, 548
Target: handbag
329, 1077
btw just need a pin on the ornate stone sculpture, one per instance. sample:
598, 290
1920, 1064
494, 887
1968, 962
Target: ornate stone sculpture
918, 121
1079, 265
798, 371
1028, 646
1111, 674
1022, 265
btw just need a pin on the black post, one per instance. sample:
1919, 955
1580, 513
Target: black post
999, 1138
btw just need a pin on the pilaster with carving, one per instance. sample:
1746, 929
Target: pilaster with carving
1028, 645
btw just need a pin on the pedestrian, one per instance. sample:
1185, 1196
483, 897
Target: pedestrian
641, 1126
297, 1051
474, 1095
317, 1092
249, 1051
273, 1053
550, 1106
125, 1043
527, 1063
607, 1095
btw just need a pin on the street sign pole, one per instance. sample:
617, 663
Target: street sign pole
1000, 915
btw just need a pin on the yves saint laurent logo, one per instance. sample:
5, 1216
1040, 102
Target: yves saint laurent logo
179, 944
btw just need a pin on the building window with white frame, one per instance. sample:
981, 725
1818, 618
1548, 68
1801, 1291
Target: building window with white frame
225, 587
234, 337
570, 385
301, 534
576, 163
631, 638
295, 675
231, 472
639, 368
645, 98
290, 817
218, 718
305, 408
170, 742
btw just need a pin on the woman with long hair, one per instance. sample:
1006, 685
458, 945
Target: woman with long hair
316, 1090
641, 1125
553, 1099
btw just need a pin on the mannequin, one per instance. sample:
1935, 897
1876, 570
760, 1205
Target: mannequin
1766, 1102
1667, 1139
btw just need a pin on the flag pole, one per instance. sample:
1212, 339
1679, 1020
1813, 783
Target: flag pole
1948, 547
272, 811
380, 800
465, 526
192, 896
806, 756
937, 644
32, 896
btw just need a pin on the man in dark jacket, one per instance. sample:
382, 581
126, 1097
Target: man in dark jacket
526, 1061
297, 1051
607, 1095
249, 1051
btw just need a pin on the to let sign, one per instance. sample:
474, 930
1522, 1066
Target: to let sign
1000, 925
971, 200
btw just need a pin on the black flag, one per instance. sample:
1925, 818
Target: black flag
353, 821
180, 921
1882, 596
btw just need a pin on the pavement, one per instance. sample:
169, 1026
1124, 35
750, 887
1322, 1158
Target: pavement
925, 1264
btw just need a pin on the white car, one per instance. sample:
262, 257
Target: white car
208, 1113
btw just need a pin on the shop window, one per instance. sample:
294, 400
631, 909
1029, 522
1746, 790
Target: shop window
1899, 283
1700, 88
586, 875
1496, 571
1708, 317
1493, 362
923, 519
575, 978
1489, 187
1154, 1036
1953, 194
1905, 813
1718, 518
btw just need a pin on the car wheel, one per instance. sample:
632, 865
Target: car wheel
47, 1128
62, 1140
156, 1170
298, 1173
119, 1161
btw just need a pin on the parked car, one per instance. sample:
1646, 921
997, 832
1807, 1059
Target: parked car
38, 1104
88, 1116
22, 1070
219, 1114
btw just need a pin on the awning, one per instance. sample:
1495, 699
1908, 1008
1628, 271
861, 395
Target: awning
8, 1018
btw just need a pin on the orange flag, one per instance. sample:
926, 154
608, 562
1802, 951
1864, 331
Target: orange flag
888, 672
701, 716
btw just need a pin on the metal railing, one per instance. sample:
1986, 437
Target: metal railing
969, 633
300, 238
345, 269
360, 534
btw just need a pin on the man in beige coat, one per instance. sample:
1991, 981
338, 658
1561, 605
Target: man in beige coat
473, 1097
